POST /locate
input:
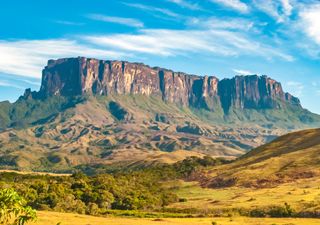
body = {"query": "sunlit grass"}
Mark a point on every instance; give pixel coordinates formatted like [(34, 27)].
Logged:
[(53, 218), (297, 194)]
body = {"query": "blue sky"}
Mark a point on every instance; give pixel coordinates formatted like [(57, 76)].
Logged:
[(280, 38)]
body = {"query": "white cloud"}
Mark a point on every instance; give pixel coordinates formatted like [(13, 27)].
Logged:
[(287, 7), (243, 72), (68, 23), (295, 88), (186, 4), (216, 23), (270, 8), (118, 20), (177, 42), (5, 83), (28, 57), (310, 22), (280, 10), (234, 4), (153, 10)]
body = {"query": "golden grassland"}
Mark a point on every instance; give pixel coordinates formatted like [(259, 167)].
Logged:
[(297, 194), (35, 173), (53, 218), (288, 158)]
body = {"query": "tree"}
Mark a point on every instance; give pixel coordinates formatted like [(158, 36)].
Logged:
[(13, 209)]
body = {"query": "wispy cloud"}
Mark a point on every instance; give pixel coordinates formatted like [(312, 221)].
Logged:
[(28, 57), (279, 10), (68, 23), (217, 23), (5, 83), (295, 88), (118, 20), (177, 42), (287, 7), (243, 72), (233, 4), (24, 81), (186, 4), (153, 9)]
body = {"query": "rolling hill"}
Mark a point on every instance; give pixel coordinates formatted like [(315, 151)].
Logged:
[(286, 159)]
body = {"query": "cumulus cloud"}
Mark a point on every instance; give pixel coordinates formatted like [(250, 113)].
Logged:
[(310, 21)]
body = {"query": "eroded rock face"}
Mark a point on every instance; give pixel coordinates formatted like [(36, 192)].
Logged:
[(257, 92), (77, 76)]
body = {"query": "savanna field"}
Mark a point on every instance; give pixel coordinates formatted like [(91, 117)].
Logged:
[(185, 192), (51, 218)]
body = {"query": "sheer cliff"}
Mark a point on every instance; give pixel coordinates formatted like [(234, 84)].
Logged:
[(77, 76)]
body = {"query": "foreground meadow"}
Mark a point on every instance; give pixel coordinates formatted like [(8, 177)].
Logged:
[(301, 195), (53, 218)]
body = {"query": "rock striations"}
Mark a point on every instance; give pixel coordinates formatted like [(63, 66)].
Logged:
[(77, 76)]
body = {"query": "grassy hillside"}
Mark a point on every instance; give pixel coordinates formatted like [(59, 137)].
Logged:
[(288, 158), (302, 196)]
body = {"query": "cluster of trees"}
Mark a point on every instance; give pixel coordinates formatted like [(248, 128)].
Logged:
[(91, 195), (140, 189)]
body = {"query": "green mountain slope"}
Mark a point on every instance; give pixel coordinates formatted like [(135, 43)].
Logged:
[(59, 133)]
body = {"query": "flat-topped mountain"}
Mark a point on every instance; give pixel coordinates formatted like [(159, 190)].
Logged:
[(91, 111), (77, 76)]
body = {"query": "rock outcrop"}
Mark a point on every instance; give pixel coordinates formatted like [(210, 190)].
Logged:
[(77, 76)]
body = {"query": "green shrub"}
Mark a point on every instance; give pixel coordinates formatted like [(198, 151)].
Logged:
[(13, 209)]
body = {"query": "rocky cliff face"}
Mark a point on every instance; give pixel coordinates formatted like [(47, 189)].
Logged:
[(77, 76)]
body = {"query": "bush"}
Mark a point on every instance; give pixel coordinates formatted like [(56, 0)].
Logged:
[(273, 211), (13, 209)]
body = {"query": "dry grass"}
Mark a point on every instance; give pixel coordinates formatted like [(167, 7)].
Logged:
[(299, 195), (289, 158), (35, 173), (52, 218)]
